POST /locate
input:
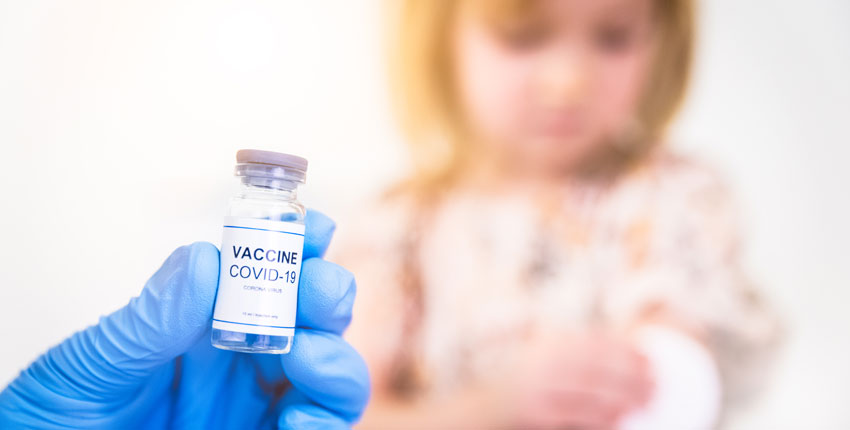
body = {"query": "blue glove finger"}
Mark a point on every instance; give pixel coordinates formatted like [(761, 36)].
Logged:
[(224, 389), (168, 317), (78, 382), (300, 413), (309, 416), (318, 232), (328, 371), (325, 296)]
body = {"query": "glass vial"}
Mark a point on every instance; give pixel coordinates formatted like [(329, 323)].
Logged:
[(261, 252)]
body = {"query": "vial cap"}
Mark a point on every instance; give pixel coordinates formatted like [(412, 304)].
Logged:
[(256, 156)]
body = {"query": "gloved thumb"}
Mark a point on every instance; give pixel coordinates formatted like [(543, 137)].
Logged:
[(170, 315)]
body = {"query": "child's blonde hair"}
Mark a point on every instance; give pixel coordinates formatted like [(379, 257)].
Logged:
[(426, 98)]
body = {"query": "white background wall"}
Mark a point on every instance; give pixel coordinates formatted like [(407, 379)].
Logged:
[(119, 121)]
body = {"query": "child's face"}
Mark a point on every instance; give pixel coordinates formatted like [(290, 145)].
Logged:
[(548, 89)]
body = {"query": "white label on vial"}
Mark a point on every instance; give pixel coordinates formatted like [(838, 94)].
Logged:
[(260, 270)]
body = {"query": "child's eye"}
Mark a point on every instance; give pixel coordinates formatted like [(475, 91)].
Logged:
[(614, 39)]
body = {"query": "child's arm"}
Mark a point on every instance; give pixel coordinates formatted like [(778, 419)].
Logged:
[(693, 277)]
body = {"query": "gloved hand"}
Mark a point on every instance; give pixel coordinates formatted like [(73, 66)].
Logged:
[(151, 365)]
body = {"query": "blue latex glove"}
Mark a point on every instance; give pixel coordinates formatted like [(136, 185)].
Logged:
[(151, 365)]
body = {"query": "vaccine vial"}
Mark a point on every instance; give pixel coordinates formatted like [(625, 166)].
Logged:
[(261, 251)]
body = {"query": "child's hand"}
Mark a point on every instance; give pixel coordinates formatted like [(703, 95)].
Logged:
[(585, 380)]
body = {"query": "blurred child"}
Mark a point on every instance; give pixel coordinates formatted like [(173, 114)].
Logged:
[(510, 281)]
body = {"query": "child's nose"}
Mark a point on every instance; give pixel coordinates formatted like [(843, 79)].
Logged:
[(562, 78)]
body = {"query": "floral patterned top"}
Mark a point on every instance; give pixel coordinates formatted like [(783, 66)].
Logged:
[(492, 268)]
